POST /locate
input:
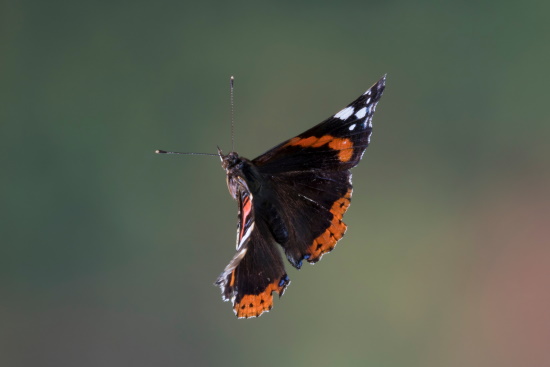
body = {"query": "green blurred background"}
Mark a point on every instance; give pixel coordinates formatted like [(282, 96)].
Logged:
[(109, 252)]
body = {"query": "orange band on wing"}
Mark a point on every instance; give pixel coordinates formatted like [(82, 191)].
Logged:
[(247, 207), (326, 241), (342, 145), (253, 305), (232, 280)]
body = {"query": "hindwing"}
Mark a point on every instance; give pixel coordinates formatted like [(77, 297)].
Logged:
[(257, 269)]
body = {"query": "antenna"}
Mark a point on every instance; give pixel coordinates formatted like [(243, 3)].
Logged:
[(220, 155), (231, 82), (158, 151)]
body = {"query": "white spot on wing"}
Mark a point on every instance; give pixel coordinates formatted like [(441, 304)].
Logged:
[(352, 127), (246, 235), (222, 279), (345, 113), (361, 113), (305, 197)]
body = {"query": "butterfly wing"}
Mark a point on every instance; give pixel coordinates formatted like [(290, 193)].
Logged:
[(257, 269), (338, 143), (311, 177), (299, 195)]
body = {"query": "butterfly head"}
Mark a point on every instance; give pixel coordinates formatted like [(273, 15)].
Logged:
[(230, 160)]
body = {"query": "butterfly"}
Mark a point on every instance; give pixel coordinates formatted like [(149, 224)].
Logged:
[(293, 195)]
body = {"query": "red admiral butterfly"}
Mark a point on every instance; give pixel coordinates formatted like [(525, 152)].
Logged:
[(295, 195)]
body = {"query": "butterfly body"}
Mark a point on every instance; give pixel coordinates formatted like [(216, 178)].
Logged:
[(294, 195)]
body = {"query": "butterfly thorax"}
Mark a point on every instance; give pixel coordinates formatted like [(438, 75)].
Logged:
[(241, 174)]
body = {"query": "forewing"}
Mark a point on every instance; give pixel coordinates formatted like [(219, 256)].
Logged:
[(338, 143)]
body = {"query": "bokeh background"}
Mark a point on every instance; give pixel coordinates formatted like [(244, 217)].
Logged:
[(109, 252)]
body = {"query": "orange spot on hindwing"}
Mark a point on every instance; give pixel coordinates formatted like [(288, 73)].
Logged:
[(253, 305), (232, 280), (342, 145), (327, 240)]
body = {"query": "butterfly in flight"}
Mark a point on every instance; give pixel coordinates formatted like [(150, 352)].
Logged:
[(294, 195)]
